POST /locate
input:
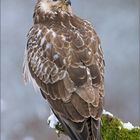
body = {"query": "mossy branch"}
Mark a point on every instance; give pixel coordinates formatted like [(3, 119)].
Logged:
[(112, 128)]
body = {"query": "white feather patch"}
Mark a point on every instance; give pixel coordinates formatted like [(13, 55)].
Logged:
[(39, 33), (56, 56), (44, 6), (48, 46), (27, 75), (43, 40)]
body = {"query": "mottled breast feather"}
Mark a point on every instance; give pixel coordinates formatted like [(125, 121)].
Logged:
[(65, 59)]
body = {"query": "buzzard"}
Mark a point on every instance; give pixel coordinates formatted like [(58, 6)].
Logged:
[(64, 59)]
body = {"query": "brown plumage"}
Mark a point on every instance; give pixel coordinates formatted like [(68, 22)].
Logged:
[(64, 58)]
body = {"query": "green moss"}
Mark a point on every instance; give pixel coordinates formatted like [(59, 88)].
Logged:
[(59, 129), (111, 129)]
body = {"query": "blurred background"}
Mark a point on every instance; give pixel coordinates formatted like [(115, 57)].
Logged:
[(24, 113)]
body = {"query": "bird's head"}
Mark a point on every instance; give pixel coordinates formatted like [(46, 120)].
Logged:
[(49, 6)]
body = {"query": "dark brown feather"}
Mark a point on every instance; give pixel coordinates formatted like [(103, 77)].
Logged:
[(65, 59)]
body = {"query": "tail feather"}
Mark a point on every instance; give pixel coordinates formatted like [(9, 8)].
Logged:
[(90, 130), (95, 124)]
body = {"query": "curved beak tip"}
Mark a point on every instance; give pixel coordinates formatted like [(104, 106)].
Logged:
[(68, 2)]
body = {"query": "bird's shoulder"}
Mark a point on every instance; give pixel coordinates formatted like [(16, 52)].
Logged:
[(63, 62)]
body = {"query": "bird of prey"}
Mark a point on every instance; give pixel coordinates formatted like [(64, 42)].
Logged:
[(64, 59)]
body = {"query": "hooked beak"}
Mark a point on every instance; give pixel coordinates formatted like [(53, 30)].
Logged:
[(67, 2)]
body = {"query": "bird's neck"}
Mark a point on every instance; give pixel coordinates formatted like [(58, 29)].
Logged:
[(41, 16)]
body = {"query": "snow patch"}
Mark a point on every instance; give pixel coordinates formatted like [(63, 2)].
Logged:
[(128, 126), (52, 121), (107, 113)]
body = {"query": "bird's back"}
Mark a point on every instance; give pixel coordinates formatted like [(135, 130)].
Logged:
[(64, 57)]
